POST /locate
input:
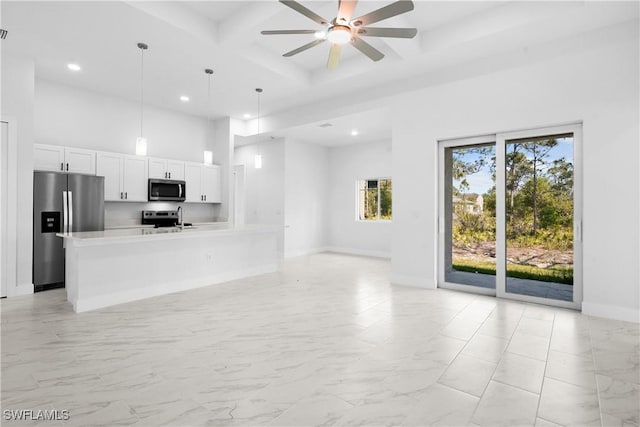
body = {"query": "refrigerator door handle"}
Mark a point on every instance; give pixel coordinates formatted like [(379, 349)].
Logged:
[(65, 215), (70, 211)]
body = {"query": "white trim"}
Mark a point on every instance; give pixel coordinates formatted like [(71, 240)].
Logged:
[(304, 252), (611, 312), (23, 289), (12, 287), (360, 252), (413, 281)]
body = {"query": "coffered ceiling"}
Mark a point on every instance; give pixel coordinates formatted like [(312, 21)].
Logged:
[(186, 37)]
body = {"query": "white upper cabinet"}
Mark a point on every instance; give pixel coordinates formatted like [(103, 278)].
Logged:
[(48, 158), (78, 160), (110, 166), (63, 159), (125, 177), (166, 169), (211, 186), (203, 183), (192, 178), (136, 179), (175, 169)]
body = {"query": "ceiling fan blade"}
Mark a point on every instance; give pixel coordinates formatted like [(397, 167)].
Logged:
[(401, 33), (364, 47), (306, 12), (383, 13), (275, 32), (334, 56), (303, 48), (345, 10)]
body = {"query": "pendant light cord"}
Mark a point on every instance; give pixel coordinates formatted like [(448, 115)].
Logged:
[(141, 91), (209, 105)]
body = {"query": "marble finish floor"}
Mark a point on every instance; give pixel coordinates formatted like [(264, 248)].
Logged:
[(325, 341)]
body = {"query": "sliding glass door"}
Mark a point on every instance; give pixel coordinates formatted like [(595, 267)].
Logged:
[(468, 220), (510, 215)]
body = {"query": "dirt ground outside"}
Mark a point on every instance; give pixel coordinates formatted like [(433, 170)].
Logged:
[(532, 256)]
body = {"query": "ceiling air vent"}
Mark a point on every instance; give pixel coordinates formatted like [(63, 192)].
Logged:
[(325, 125), (3, 34)]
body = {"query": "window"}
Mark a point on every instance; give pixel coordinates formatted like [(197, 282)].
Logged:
[(374, 199)]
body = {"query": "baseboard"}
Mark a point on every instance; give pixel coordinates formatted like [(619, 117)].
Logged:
[(291, 254), (611, 312), (24, 289), (101, 301), (361, 252), (413, 281)]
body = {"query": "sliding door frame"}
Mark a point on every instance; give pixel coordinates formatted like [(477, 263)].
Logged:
[(442, 214), (501, 243)]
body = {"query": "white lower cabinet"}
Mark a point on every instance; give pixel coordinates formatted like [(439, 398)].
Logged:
[(203, 183), (125, 177)]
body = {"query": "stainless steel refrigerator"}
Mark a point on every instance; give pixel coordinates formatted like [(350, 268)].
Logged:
[(61, 203)]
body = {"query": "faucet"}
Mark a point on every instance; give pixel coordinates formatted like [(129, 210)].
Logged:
[(180, 222)]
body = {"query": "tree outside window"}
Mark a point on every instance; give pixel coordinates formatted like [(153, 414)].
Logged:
[(374, 199)]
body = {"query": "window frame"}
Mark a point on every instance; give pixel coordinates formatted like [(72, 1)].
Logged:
[(378, 219)]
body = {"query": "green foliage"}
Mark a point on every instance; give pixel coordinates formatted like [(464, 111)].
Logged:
[(553, 275)]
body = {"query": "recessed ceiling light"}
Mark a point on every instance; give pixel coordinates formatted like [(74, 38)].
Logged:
[(184, 98), (354, 133), (74, 67), (246, 115)]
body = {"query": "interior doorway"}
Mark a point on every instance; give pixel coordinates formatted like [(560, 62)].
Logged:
[(239, 195), (510, 215)]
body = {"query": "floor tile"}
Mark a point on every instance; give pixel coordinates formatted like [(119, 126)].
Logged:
[(568, 404), (485, 347), (504, 405), (520, 371), (442, 406), (324, 341), (529, 345), (468, 374), (571, 369), (619, 399)]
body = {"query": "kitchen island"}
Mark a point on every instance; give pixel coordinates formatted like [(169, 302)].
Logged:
[(105, 268)]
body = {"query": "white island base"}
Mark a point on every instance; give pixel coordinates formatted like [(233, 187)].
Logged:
[(106, 268)]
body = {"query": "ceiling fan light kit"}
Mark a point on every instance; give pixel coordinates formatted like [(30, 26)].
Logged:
[(343, 29)]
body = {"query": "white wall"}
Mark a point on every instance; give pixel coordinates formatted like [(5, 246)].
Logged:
[(74, 117), (17, 101), (264, 198), (598, 86), (306, 196), (347, 165)]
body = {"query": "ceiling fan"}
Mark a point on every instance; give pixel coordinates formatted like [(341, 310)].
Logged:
[(343, 29)]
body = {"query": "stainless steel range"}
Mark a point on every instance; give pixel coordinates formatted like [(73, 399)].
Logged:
[(160, 218)]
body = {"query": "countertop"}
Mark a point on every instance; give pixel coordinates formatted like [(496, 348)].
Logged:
[(90, 238)]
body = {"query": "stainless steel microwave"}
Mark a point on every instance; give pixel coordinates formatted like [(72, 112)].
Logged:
[(167, 190)]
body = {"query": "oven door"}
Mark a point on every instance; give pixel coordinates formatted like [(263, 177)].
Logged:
[(166, 190)]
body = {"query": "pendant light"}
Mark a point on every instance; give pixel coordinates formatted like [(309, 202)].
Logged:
[(208, 155), (141, 141), (258, 157)]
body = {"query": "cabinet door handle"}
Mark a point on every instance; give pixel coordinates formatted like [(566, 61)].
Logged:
[(165, 175), (205, 197), (125, 195), (67, 166), (169, 175), (61, 166), (121, 195)]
